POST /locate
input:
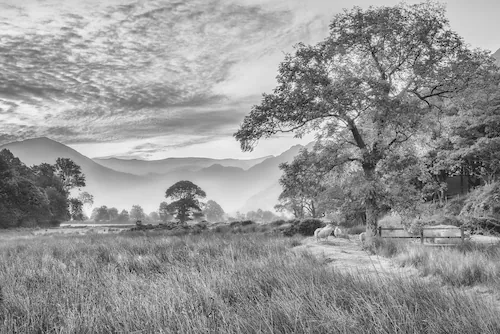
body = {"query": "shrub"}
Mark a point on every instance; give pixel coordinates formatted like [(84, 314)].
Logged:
[(277, 223), (308, 226), (454, 206), (241, 223), (290, 231)]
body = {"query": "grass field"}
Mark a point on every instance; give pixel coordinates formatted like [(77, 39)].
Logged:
[(212, 283), (464, 265)]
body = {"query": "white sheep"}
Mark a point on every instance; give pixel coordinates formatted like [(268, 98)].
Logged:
[(324, 232), (337, 232), (362, 237)]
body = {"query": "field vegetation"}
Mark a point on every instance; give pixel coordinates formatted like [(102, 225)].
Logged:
[(146, 282), (468, 264)]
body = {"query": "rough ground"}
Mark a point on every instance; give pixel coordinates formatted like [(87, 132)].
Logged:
[(347, 255)]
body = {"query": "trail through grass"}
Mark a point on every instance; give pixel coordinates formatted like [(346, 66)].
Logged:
[(217, 283)]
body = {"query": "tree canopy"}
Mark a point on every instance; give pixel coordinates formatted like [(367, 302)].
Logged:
[(31, 196), (371, 85), (213, 211), (137, 213), (185, 197)]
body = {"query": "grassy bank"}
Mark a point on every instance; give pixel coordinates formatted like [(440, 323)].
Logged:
[(464, 265), (220, 283)]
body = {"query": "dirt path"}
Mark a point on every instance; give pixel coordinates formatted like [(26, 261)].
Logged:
[(347, 255)]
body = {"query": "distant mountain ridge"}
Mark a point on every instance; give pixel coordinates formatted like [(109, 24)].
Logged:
[(144, 167), (496, 55), (241, 185)]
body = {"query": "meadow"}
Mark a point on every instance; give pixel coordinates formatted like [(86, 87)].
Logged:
[(464, 265), (139, 282)]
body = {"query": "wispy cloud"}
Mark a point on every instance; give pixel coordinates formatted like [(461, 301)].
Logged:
[(107, 71)]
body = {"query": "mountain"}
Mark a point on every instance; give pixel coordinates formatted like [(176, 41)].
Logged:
[(265, 199), (496, 55), (240, 185), (143, 167), (108, 186)]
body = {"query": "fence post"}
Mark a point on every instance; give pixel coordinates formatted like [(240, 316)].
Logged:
[(422, 236), (380, 231), (462, 234)]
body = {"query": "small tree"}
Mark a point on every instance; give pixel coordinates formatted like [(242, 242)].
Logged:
[(154, 216), (113, 213), (100, 214), (137, 213), (70, 174), (123, 216), (76, 209), (303, 184), (213, 211), (185, 197), (164, 213)]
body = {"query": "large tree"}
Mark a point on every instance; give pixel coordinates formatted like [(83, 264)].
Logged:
[(185, 197), (369, 86)]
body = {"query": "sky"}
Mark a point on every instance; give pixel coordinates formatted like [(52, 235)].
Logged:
[(151, 79)]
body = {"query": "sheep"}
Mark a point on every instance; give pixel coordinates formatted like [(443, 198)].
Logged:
[(337, 232), (362, 237), (324, 232)]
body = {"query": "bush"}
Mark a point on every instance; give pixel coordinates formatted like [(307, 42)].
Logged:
[(385, 247), (290, 231), (241, 223), (308, 226), (277, 223), (454, 206), (481, 208)]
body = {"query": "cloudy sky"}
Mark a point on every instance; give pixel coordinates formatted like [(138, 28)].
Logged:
[(157, 78)]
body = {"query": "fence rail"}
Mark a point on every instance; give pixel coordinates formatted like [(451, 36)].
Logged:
[(421, 236)]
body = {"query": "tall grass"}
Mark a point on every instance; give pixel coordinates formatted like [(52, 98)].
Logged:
[(466, 264), (216, 283)]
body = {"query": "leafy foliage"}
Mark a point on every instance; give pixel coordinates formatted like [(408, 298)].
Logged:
[(70, 174), (185, 196), (164, 212), (31, 196), (380, 77), (137, 213), (303, 184), (213, 211)]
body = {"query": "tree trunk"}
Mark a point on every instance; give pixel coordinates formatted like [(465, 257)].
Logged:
[(371, 205), (371, 218)]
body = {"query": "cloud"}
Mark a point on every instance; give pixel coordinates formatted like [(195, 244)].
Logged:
[(97, 71), (118, 70)]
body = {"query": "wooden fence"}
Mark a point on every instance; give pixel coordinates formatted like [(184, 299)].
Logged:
[(422, 234)]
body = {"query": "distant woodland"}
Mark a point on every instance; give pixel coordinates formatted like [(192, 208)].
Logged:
[(39, 195)]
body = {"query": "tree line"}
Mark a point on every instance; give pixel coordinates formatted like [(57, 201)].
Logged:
[(39, 195), (185, 204)]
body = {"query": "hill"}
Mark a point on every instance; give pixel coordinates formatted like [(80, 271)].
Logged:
[(496, 55), (231, 185), (144, 167), (109, 187)]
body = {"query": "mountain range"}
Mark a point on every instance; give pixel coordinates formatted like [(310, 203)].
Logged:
[(237, 185)]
